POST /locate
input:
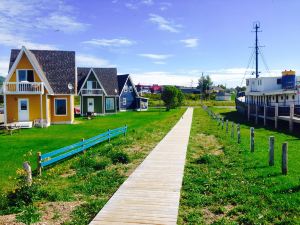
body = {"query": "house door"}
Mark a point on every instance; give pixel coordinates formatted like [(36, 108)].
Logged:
[(90, 104), (23, 109)]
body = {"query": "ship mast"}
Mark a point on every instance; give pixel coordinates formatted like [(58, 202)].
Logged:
[(256, 27)]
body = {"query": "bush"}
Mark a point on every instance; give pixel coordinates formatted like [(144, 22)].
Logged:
[(172, 97), (29, 215), (100, 163), (21, 196), (119, 157)]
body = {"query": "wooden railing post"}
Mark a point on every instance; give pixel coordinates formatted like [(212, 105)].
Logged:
[(265, 115), (232, 130), (256, 114), (252, 139), (284, 162), (226, 126), (276, 115), (291, 122), (39, 163), (238, 131), (271, 151)]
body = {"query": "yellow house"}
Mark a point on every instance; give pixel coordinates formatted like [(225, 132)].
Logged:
[(40, 87)]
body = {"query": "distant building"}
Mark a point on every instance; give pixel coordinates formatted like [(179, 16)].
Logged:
[(156, 89), (189, 90), (148, 89), (223, 96), (215, 89)]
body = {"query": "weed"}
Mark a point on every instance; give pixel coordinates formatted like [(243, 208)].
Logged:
[(119, 157), (29, 215)]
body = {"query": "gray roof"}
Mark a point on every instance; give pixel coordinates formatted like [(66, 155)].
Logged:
[(58, 67), (107, 77), (121, 81)]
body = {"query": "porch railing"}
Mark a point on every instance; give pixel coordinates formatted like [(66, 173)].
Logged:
[(23, 87), (92, 91)]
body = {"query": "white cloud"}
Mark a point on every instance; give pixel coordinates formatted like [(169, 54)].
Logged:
[(147, 2), (164, 24), (4, 66), (159, 62), (59, 22), (156, 56), (190, 43), (164, 6), (92, 61), (16, 41), (131, 6), (110, 42)]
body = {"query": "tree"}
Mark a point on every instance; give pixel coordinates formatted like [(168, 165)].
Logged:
[(172, 97), (204, 83)]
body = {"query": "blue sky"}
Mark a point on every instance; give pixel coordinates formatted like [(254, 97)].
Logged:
[(164, 42)]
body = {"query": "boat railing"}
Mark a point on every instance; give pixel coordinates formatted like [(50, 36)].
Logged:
[(283, 111)]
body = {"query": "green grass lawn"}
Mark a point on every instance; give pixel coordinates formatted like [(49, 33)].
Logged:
[(224, 183), (13, 148), (87, 180)]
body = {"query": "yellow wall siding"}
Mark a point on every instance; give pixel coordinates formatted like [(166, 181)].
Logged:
[(24, 64), (34, 107), (70, 114)]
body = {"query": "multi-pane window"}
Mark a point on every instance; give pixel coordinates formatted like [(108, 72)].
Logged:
[(60, 107), (109, 104), (124, 101), (25, 75)]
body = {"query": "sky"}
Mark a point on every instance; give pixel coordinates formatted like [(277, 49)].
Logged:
[(158, 41)]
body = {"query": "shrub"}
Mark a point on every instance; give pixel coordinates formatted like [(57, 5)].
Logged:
[(29, 215), (207, 159), (172, 97), (119, 157), (22, 196), (100, 163)]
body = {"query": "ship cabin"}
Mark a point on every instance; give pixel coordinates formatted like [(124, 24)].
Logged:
[(271, 91)]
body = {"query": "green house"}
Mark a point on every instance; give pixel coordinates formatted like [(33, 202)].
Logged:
[(98, 90)]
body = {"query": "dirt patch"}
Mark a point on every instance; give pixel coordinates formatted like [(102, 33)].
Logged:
[(214, 214), (53, 213), (209, 144), (69, 173)]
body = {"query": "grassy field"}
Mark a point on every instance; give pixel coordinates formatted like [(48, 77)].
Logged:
[(73, 191), (13, 148), (157, 103), (224, 183)]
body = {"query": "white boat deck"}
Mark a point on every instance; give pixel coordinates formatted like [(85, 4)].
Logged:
[(151, 193)]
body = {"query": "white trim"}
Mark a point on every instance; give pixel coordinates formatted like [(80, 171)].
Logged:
[(66, 106), (35, 67), (47, 113), (41, 109), (5, 111), (72, 108), (91, 70), (28, 108)]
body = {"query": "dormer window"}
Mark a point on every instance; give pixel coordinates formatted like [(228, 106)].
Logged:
[(25, 76), (130, 88)]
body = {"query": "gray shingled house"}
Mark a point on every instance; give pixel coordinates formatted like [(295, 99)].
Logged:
[(98, 90)]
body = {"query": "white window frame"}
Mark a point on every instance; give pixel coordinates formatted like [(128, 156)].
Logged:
[(125, 88), (130, 89), (17, 74), (114, 107), (66, 106), (124, 101)]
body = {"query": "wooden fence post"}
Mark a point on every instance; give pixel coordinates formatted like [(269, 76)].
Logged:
[(82, 140), (222, 123), (284, 164), (249, 111), (256, 114), (271, 151), (27, 168), (108, 135), (125, 130), (252, 139), (238, 133), (39, 163), (232, 129), (226, 126)]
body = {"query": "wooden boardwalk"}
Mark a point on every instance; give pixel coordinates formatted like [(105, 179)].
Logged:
[(151, 193)]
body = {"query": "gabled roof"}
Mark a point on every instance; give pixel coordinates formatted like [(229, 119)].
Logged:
[(58, 67), (121, 81), (106, 76)]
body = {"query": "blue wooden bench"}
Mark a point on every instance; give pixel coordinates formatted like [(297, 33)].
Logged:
[(65, 152)]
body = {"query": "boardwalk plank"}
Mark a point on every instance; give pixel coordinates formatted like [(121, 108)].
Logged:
[(151, 193)]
